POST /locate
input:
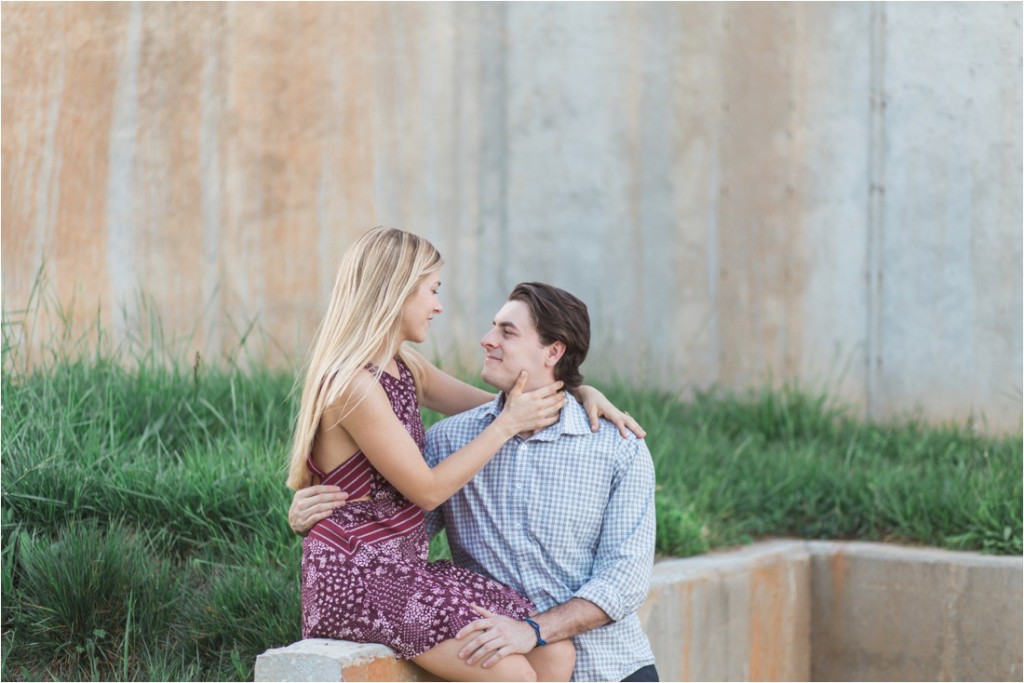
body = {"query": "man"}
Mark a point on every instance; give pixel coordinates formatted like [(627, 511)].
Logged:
[(565, 516)]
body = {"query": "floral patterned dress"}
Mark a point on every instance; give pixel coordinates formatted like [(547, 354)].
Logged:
[(365, 575)]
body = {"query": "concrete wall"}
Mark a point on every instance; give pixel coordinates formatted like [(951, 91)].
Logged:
[(786, 611), (888, 613), (826, 192)]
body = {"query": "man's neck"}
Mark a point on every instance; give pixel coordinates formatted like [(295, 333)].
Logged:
[(503, 396)]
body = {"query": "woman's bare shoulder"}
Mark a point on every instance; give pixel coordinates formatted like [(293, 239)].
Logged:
[(363, 388)]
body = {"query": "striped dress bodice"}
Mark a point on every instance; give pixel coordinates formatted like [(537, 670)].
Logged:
[(388, 514)]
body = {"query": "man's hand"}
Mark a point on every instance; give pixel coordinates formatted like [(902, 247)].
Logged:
[(311, 504), (498, 636)]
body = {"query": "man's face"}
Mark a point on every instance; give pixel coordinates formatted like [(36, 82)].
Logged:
[(513, 345)]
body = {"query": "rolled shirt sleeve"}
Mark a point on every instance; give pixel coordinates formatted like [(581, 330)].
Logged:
[(625, 553)]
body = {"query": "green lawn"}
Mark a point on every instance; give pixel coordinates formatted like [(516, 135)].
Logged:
[(143, 510)]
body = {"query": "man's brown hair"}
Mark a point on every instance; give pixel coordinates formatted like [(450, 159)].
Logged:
[(558, 316)]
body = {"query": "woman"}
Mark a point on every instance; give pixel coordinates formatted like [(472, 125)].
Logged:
[(365, 571)]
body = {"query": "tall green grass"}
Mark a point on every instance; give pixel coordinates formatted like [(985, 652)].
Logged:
[(144, 531)]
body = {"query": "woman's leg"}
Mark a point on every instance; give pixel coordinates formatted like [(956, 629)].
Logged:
[(443, 661), (553, 662)]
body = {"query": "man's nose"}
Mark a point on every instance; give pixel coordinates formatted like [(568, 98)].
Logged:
[(486, 341)]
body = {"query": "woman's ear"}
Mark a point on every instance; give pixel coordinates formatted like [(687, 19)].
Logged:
[(555, 353)]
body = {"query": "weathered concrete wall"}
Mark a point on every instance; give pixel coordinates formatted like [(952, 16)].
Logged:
[(818, 191), (888, 613), (738, 616), (786, 611)]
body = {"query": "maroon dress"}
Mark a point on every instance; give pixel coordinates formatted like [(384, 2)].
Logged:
[(365, 575)]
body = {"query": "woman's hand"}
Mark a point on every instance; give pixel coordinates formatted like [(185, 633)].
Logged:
[(533, 410), (596, 405), (311, 504)]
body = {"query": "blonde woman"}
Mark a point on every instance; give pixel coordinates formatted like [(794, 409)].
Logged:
[(365, 575)]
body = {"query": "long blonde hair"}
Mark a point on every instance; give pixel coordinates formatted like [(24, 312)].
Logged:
[(376, 276)]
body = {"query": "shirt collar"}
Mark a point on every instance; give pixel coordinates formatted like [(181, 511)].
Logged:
[(572, 421)]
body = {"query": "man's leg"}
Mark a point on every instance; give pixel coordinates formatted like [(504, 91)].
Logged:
[(648, 673)]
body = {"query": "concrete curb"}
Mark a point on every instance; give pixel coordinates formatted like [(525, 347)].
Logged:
[(785, 610)]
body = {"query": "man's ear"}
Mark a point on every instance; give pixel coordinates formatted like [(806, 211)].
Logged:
[(555, 353)]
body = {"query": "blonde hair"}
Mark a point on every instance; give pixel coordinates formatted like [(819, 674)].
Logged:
[(376, 276)]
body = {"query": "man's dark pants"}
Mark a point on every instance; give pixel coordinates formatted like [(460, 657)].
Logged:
[(648, 673)]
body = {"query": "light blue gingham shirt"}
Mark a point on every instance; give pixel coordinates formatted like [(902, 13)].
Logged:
[(566, 513)]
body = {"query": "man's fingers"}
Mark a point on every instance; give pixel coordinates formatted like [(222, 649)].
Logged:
[(472, 650), (320, 515), (480, 610), (317, 512), (488, 644), (320, 489), (327, 507), (476, 625)]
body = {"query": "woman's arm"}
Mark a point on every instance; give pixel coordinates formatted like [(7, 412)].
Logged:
[(597, 405), (444, 393), (384, 441)]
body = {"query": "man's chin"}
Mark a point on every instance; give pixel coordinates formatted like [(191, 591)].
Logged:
[(495, 382)]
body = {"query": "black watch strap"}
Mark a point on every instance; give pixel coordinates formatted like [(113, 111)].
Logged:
[(536, 629)]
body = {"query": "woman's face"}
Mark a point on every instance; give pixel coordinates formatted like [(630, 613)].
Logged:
[(420, 308)]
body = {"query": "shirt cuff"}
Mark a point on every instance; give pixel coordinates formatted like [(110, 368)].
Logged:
[(604, 596)]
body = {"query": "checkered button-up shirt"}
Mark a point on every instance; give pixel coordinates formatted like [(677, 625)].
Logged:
[(566, 513)]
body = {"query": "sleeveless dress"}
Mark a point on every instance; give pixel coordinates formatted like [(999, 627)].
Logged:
[(365, 575)]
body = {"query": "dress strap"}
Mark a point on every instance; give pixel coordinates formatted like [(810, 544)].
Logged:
[(311, 466)]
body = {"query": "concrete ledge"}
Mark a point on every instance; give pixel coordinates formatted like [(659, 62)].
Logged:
[(785, 610), (914, 614), (320, 659), (736, 616)]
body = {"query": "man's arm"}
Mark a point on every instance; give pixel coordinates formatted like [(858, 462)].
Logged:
[(618, 587), (501, 636)]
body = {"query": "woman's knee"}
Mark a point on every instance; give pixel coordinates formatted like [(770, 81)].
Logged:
[(520, 668), (443, 661), (509, 668), (554, 662)]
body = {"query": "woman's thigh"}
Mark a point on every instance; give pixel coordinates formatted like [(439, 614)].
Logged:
[(443, 661), (553, 662)]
